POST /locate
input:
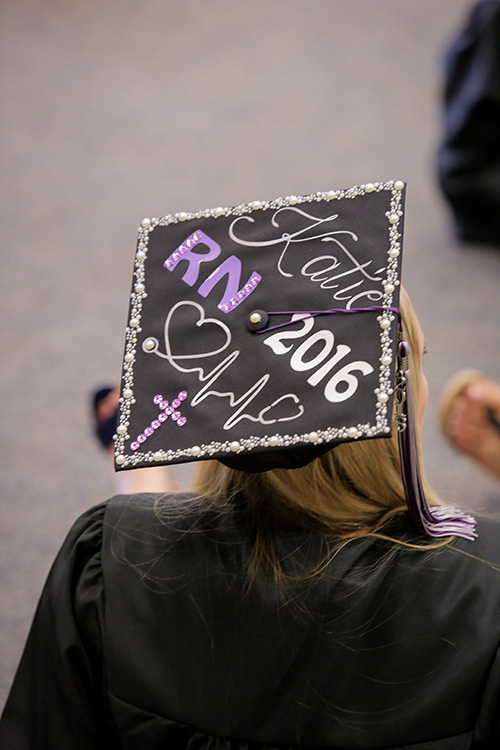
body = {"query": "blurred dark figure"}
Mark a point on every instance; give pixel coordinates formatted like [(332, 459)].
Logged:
[(469, 155)]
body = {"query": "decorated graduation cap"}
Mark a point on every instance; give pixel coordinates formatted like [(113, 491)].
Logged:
[(265, 334)]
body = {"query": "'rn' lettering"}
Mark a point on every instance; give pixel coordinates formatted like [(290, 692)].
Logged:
[(230, 268)]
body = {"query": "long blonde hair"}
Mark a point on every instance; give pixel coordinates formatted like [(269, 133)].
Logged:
[(353, 490)]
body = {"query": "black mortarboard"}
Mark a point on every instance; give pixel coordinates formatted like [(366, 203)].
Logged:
[(223, 358), (262, 335)]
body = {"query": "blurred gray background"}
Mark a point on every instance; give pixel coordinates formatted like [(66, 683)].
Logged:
[(116, 110)]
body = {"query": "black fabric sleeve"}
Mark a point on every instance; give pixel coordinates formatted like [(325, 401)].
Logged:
[(487, 729), (58, 698)]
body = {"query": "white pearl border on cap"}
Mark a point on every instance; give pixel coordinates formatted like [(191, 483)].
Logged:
[(386, 319)]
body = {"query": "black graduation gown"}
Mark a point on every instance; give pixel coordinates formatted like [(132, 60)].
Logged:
[(147, 636)]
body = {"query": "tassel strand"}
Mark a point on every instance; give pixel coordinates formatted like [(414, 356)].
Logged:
[(435, 520)]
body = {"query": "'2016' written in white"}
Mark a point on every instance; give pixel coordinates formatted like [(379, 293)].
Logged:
[(299, 364)]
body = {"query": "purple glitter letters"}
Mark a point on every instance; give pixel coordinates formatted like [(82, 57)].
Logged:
[(231, 267)]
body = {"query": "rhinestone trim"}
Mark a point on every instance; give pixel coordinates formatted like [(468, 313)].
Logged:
[(350, 432)]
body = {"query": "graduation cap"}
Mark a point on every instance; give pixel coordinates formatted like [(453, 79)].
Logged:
[(264, 334)]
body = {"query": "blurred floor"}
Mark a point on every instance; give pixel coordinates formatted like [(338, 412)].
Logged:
[(112, 111)]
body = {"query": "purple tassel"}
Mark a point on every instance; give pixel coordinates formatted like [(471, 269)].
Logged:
[(435, 520)]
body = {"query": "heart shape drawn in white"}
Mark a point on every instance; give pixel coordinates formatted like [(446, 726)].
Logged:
[(202, 320)]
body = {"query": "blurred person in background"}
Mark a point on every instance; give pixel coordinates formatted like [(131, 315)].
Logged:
[(470, 417), (468, 161)]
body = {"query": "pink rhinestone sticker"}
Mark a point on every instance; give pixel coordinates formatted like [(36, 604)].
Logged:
[(167, 410), (229, 305)]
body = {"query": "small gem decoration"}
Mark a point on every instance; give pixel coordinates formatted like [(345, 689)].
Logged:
[(167, 410)]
